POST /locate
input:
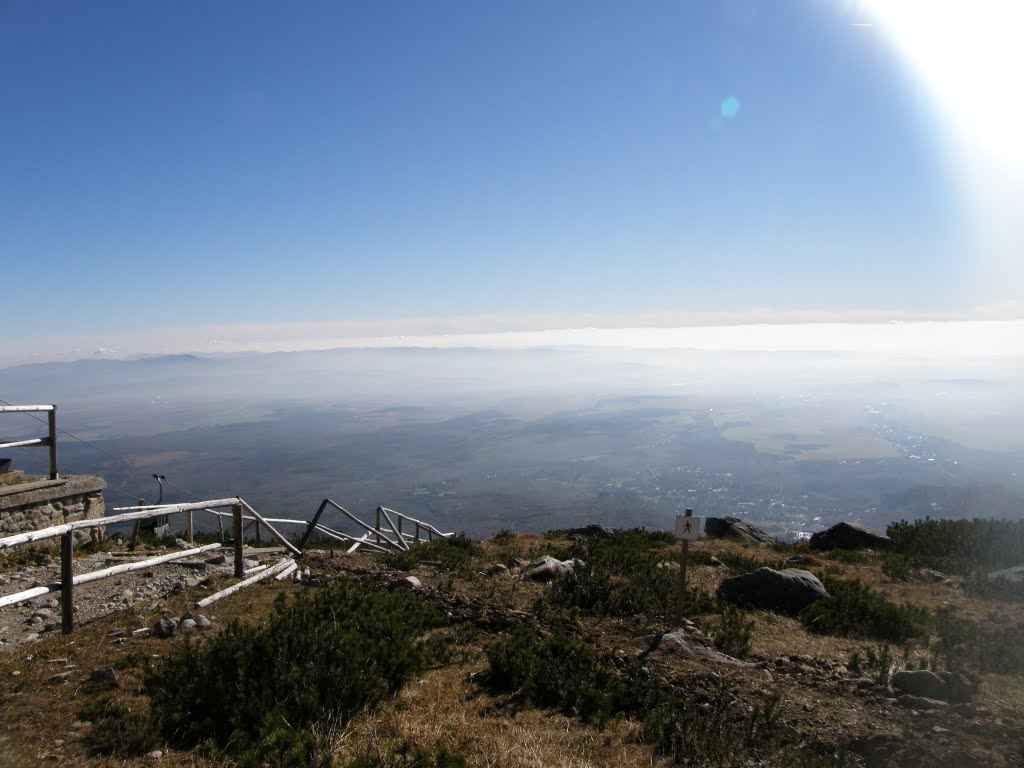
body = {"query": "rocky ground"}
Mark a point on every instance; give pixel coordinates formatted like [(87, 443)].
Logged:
[(47, 679), (135, 594)]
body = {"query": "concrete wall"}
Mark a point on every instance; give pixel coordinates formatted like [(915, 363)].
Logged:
[(31, 506)]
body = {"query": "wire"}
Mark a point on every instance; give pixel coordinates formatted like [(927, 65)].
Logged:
[(128, 464)]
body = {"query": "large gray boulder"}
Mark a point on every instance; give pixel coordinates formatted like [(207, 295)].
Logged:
[(787, 591), (944, 686), (547, 568), (735, 529), (687, 643), (849, 536)]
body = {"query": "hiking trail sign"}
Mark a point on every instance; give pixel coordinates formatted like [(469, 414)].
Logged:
[(688, 527)]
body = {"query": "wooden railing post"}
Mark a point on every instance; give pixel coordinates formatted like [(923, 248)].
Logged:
[(236, 516), (377, 526), (52, 422), (188, 527), (67, 583), (137, 525), (417, 539)]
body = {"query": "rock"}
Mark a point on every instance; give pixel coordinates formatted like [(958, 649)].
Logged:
[(717, 563), (104, 675), (787, 591), (849, 536), (547, 568), (687, 643), (165, 627), (735, 529), (60, 678), (156, 754), (407, 582), (498, 569), (944, 686), (1014, 574), (43, 559), (182, 544), (202, 622), (591, 532), (187, 624), (958, 688), (920, 702), (248, 563), (217, 560)]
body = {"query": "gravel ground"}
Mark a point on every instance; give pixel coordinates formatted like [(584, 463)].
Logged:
[(142, 589)]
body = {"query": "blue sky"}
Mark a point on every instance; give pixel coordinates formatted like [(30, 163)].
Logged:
[(170, 164)]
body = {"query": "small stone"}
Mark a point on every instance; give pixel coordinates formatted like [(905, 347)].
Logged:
[(43, 559), (141, 632), (188, 624), (408, 582), (31, 636), (104, 675), (42, 613), (35, 621), (60, 678), (187, 615), (248, 563), (217, 560), (156, 754), (165, 627), (202, 622), (498, 569), (58, 742)]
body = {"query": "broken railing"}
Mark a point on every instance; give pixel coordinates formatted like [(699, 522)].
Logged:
[(243, 516)]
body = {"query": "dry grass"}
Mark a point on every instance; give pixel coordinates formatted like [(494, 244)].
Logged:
[(446, 708)]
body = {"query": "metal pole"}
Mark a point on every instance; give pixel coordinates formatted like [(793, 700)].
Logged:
[(51, 419), (67, 583), (236, 514), (683, 555)]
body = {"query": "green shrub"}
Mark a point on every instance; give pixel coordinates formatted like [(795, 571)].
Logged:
[(964, 645), (453, 554), (855, 610), (978, 584), (558, 671), (734, 631), (693, 728), (959, 546), (624, 575), (503, 537), (324, 657)]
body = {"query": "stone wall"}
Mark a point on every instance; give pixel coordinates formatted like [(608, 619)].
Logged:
[(30, 506)]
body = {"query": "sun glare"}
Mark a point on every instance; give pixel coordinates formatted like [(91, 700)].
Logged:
[(970, 56)]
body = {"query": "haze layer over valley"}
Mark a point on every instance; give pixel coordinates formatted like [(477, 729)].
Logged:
[(792, 430)]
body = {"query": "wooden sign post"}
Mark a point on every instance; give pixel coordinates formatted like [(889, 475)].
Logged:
[(687, 530)]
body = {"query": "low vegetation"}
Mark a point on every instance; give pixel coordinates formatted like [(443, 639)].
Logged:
[(855, 610), (270, 690)]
